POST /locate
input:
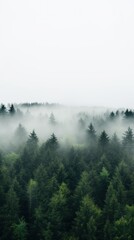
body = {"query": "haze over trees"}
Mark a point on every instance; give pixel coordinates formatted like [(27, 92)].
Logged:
[(66, 173)]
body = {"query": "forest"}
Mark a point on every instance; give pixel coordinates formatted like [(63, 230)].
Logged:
[(66, 173)]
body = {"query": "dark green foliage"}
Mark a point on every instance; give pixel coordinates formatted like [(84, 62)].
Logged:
[(128, 141), (129, 114), (124, 226), (33, 139), (52, 142), (58, 214), (87, 219), (54, 191), (104, 139), (20, 230)]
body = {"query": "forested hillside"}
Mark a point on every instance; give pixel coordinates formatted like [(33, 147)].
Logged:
[(66, 174)]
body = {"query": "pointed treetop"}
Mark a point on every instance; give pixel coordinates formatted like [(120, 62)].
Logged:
[(91, 129), (128, 137), (12, 109), (3, 109), (104, 139), (52, 119), (129, 113), (112, 115), (20, 134), (33, 137), (52, 141), (91, 132)]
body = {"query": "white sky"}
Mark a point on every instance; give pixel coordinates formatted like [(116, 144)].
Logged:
[(78, 52)]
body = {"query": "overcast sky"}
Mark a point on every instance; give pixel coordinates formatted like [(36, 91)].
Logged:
[(78, 52)]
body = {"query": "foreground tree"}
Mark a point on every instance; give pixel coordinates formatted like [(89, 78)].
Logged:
[(87, 219), (58, 217), (20, 230), (124, 226)]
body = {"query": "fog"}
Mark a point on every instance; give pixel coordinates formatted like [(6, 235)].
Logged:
[(69, 124), (72, 52)]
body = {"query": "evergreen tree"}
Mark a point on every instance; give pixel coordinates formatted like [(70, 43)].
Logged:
[(128, 139), (125, 225), (12, 110), (29, 156), (103, 186), (32, 140), (83, 187), (91, 134), (11, 213), (20, 135), (104, 139), (129, 114), (87, 219), (81, 124), (58, 217), (110, 212), (52, 120), (52, 142), (3, 110), (32, 193), (114, 153), (112, 115), (20, 231)]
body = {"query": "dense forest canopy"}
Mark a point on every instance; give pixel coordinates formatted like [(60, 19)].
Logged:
[(66, 173)]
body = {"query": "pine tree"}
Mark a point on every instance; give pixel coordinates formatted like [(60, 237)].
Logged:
[(81, 124), (58, 216), (52, 142), (33, 139), (20, 135), (104, 139), (91, 134), (124, 227), (128, 140), (87, 218), (52, 119), (3, 110), (20, 231), (12, 109), (110, 212), (112, 115)]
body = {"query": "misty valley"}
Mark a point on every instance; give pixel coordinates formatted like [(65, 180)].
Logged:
[(66, 172)]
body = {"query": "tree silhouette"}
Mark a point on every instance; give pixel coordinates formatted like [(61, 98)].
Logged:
[(12, 109), (104, 139), (52, 119), (91, 133), (3, 110), (33, 139), (20, 136), (128, 139), (52, 142)]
